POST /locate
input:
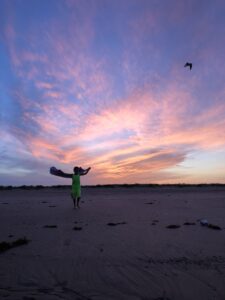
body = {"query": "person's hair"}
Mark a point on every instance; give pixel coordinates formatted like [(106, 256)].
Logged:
[(75, 170)]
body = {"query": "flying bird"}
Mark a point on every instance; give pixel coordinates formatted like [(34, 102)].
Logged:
[(188, 65)]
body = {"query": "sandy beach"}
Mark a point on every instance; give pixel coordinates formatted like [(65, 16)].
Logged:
[(116, 246)]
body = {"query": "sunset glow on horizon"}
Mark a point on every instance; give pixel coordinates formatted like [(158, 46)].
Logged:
[(102, 84)]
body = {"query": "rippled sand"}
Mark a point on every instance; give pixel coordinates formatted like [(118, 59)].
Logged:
[(117, 246)]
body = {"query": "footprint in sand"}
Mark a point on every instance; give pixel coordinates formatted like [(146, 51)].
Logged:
[(67, 242), (162, 298), (45, 290), (154, 222)]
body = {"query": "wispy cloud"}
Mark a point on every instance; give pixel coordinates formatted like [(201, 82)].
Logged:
[(88, 90)]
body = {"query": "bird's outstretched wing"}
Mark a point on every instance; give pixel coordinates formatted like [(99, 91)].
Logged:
[(188, 65)]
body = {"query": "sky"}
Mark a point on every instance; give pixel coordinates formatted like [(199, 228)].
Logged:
[(102, 84)]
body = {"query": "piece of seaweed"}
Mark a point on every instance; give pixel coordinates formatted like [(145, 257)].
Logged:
[(4, 246)]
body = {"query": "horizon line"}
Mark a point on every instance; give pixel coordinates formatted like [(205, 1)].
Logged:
[(9, 187)]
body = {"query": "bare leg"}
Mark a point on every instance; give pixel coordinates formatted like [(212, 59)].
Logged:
[(75, 205), (78, 201), (73, 201)]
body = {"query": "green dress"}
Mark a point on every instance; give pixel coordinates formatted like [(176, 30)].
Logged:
[(76, 189)]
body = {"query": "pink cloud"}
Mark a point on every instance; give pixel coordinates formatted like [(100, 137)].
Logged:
[(52, 119), (162, 122), (142, 133), (10, 36), (28, 56), (64, 61), (154, 125), (44, 85), (50, 151), (52, 94)]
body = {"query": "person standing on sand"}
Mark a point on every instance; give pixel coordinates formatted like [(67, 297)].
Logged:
[(76, 187)]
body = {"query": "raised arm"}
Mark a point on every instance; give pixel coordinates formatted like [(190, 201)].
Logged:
[(60, 173), (65, 175), (84, 172)]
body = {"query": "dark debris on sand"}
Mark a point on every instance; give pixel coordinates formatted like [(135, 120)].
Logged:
[(173, 226), (214, 227), (77, 228), (115, 224), (4, 246)]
